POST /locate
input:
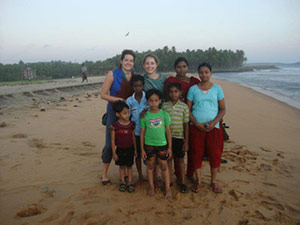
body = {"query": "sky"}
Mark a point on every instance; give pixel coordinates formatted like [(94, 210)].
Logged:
[(45, 30)]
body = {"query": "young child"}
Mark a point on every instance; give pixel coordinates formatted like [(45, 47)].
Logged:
[(123, 144), (179, 113), (137, 103), (207, 106), (156, 139)]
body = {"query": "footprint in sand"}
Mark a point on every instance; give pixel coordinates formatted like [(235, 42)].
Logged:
[(31, 210), (272, 205), (241, 181), (17, 165), (85, 153), (67, 219), (50, 218), (20, 136), (87, 144), (37, 143), (280, 155), (55, 144), (265, 167), (270, 184), (265, 150)]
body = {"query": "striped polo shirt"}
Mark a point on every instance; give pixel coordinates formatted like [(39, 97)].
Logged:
[(179, 114)]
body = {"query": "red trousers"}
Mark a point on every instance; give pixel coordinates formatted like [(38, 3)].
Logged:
[(205, 142)]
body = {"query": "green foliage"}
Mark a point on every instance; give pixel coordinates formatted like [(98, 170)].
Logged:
[(219, 59)]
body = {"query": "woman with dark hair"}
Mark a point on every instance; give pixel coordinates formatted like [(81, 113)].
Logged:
[(116, 87), (181, 66)]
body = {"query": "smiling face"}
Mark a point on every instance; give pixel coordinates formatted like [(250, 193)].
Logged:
[(204, 73), (124, 114), (154, 102), (127, 63), (181, 69), (150, 65)]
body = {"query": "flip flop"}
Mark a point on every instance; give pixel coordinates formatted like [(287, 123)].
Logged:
[(183, 189), (224, 161), (106, 182), (216, 188), (196, 188)]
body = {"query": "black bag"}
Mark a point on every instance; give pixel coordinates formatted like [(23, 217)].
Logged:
[(225, 134), (104, 119)]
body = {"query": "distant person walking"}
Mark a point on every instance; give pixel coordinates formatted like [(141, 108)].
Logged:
[(83, 73)]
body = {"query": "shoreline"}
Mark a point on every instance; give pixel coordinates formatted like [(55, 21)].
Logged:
[(282, 99)]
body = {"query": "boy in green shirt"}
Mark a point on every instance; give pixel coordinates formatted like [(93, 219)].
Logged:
[(156, 139)]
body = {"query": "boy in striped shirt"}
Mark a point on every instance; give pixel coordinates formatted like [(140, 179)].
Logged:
[(179, 113)]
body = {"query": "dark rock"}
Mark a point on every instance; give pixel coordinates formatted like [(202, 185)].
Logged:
[(3, 124)]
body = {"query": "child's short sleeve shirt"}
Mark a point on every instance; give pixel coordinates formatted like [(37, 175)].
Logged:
[(179, 114), (155, 127), (123, 134), (205, 103), (135, 110)]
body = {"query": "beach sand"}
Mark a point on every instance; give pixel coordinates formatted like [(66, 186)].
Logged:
[(50, 168)]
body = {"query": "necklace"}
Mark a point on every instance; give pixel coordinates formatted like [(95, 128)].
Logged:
[(186, 79), (206, 89)]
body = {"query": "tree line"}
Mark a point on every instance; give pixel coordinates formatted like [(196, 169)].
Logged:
[(219, 59)]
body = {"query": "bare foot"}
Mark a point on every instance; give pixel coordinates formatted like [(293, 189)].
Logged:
[(169, 194), (216, 188), (151, 192)]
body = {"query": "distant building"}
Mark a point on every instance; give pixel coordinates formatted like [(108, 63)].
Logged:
[(29, 74)]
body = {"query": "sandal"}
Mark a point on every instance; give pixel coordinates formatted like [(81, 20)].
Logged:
[(106, 182), (192, 179), (224, 161), (163, 186), (123, 187), (216, 188), (196, 188), (183, 189), (131, 188)]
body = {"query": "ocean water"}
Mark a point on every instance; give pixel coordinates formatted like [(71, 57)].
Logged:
[(282, 84)]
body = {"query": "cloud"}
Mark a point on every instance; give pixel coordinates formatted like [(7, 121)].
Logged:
[(47, 46), (92, 49)]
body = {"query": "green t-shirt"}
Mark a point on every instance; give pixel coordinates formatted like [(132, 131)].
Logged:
[(155, 127)]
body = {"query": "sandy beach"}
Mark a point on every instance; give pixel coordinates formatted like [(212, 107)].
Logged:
[(50, 166)]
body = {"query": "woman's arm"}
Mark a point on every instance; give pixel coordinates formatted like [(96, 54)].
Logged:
[(106, 87), (221, 113), (200, 126)]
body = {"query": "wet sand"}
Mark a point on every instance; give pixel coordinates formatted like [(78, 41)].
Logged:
[(50, 167)]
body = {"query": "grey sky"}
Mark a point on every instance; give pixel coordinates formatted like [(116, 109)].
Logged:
[(32, 30)]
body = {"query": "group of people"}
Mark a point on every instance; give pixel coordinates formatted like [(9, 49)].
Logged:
[(158, 119)]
